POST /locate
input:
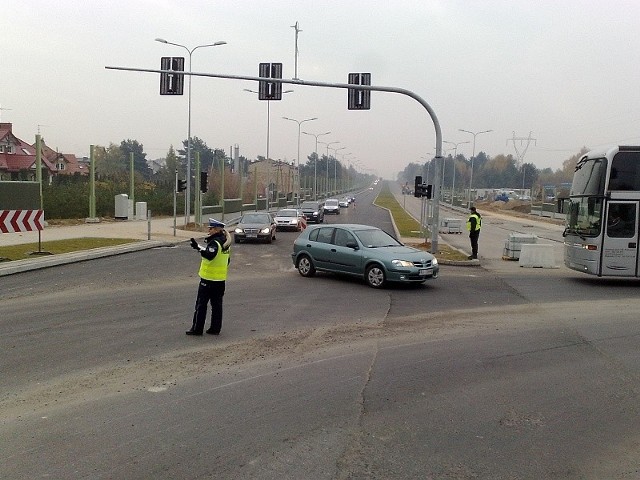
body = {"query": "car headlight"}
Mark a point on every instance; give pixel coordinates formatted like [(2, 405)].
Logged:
[(238, 230), (401, 263), (434, 261), (265, 230)]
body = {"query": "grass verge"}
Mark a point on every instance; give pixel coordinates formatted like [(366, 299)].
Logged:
[(26, 250), (409, 227)]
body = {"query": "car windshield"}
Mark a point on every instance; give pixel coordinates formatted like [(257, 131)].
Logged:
[(256, 218), (309, 205), (287, 213), (332, 202), (375, 238)]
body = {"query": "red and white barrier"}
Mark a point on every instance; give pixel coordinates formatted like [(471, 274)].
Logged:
[(12, 221)]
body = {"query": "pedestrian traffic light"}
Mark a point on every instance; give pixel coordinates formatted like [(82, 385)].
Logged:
[(203, 182), (417, 187), (427, 191), (182, 186)]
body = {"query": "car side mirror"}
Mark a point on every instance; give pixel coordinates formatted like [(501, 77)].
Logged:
[(353, 245)]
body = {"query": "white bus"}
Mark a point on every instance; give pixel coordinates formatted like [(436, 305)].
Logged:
[(601, 233)]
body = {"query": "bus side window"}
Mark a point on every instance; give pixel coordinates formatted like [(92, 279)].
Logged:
[(621, 220)]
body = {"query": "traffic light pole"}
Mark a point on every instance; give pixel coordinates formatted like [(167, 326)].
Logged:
[(175, 199), (439, 158)]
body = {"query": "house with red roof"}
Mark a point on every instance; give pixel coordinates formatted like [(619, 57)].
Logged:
[(65, 163), (18, 158)]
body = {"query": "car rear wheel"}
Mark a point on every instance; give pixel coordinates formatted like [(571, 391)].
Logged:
[(305, 266), (375, 276)]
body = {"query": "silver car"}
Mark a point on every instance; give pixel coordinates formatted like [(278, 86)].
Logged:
[(290, 219)]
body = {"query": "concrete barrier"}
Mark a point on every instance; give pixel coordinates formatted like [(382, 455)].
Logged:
[(538, 255)]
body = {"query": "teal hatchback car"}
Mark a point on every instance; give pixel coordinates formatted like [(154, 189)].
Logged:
[(361, 251)]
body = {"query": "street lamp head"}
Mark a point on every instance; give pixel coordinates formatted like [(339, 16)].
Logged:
[(161, 40), (314, 135), (221, 42)]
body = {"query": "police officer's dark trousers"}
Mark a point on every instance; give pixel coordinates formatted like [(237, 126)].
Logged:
[(473, 236), (209, 291)]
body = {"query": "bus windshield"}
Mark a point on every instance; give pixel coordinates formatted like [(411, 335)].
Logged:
[(590, 177), (584, 216)]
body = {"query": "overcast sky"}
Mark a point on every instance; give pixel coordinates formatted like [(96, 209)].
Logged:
[(566, 71)]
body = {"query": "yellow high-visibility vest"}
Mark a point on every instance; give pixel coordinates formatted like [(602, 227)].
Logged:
[(215, 269), (478, 222)]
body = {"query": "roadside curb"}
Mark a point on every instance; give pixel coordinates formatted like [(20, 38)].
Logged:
[(18, 266)]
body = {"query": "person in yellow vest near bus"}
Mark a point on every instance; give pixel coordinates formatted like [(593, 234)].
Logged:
[(474, 223), (213, 275)]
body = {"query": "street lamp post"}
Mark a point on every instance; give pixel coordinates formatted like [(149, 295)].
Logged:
[(429, 160), (472, 158), (455, 154), (268, 135), (315, 163), (345, 184), (328, 144), (299, 122), (190, 51), (335, 167)]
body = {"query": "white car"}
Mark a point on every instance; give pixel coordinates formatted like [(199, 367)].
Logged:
[(344, 202), (290, 219), (332, 206)]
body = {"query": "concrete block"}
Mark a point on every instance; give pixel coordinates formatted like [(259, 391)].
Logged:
[(537, 256)]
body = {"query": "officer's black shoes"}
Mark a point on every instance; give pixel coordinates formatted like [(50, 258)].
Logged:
[(212, 332), (193, 332)]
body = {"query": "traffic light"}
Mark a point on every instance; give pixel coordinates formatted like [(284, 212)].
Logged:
[(270, 90), (182, 186), (427, 191), (203, 182), (359, 99), (172, 83), (417, 187)]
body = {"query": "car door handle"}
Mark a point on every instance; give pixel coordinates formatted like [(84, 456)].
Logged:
[(632, 245), (333, 250)]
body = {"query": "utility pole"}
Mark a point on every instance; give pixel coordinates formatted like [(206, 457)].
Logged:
[(295, 75), (520, 155)]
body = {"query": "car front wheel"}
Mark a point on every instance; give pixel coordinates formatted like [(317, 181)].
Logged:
[(305, 266), (375, 276)]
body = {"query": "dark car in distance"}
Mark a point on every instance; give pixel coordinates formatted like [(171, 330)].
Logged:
[(313, 211), (255, 226)]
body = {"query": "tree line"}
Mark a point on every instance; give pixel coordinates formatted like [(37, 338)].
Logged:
[(501, 171), (67, 196)]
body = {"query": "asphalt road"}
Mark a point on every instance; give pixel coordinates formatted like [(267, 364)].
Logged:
[(487, 372)]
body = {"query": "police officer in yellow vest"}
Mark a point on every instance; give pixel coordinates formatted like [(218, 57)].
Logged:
[(474, 223), (213, 275)]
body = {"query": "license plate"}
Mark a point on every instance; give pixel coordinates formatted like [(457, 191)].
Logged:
[(252, 235), (423, 271)]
